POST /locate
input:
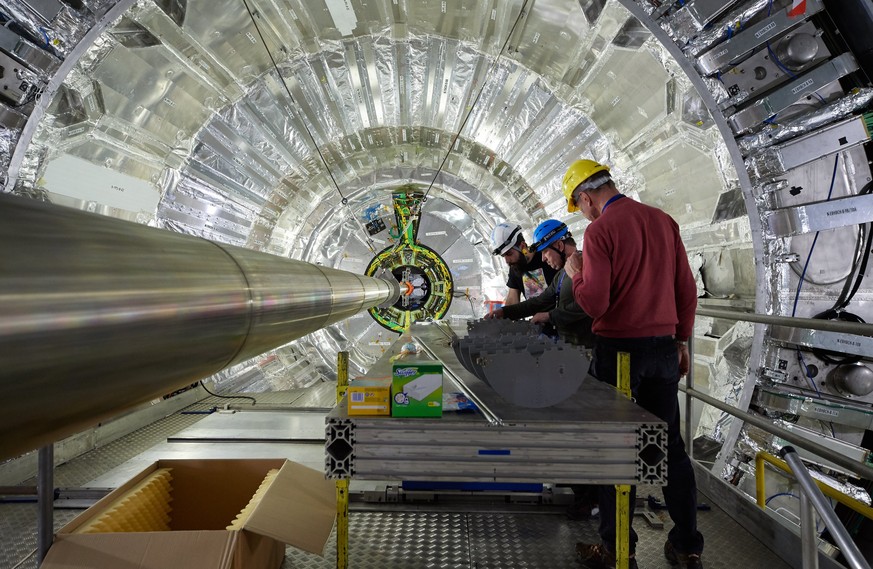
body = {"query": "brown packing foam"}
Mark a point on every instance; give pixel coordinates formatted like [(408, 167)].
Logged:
[(144, 508), (240, 519)]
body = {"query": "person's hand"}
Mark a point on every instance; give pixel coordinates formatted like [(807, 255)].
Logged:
[(573, 264), (684, 359), (540, 318), (495, 314)]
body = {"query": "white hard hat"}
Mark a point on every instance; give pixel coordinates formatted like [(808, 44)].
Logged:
[(504, 237)]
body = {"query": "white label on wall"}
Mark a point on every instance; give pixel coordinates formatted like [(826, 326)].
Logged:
[(343, 15), (80, 179)]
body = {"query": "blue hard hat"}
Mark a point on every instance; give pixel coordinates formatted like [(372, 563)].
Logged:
[(548, 232)]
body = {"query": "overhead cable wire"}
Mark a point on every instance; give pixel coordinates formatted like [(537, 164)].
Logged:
[(478, 96), (344, 200), (472, 106)]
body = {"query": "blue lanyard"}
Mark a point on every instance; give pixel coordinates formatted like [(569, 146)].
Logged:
[(558, 288), (612, 199)]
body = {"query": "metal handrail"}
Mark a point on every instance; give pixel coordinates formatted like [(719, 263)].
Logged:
[(861, 329), (829, 491), (840, 326), (860, 469), (808, 539), (812, 494)]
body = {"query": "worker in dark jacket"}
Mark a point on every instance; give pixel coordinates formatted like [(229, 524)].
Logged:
[(556, 305)]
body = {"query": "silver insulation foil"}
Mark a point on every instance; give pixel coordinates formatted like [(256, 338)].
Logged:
[(833, 111), (754, 440), (765, 165), (727, 361), (727, 26), (59, 29), (238, 160), (717, 88), (10, 130)]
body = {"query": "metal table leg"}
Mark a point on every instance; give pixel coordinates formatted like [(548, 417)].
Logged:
[(622, 491), (342, 486)]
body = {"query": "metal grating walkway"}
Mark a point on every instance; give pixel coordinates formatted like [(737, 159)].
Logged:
[(403, 539)]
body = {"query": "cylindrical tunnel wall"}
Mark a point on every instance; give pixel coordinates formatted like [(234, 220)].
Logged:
[(98, 314)]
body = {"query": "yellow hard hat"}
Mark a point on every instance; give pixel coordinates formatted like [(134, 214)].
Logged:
[(578, 172)]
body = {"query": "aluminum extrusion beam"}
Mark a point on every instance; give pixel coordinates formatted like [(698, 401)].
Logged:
[(595, 436), (820, 216), (100, 314)]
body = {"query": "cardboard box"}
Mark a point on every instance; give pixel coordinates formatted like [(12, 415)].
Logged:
[(297, 507), (369, 396), (417, 389)]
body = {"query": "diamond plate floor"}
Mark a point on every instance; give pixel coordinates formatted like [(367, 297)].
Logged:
[(516, 541), (404, 540)]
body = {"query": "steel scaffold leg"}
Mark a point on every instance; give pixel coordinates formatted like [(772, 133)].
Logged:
[(342, 486), (622, 491)]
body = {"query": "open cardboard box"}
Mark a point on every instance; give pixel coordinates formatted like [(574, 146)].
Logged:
[(298, 508)]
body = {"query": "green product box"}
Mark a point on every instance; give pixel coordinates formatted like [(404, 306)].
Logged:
[(417, 389)]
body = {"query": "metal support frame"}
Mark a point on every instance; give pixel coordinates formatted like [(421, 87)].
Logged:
[(342, 486), (45, 489), (622, 491), (761, 489), (847, 547), (861, 470)]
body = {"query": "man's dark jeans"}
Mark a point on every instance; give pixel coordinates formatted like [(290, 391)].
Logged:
[(654, 375)]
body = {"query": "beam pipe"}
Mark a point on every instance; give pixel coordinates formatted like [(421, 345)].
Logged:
[(45, 491), (100, 314)]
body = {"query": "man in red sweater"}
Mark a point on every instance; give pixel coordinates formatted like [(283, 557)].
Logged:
[(634, 280)]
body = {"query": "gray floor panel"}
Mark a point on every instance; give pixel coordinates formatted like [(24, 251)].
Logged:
[(404, 540), (512, 541), (283, 426)]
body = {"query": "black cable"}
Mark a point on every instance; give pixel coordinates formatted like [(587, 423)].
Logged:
[(203, 385), (867, 228), (344, 199), (476, 100), (467, 117), (829, 356), (290, 96)]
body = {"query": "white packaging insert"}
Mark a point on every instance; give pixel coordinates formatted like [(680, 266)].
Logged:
[(424, 385)]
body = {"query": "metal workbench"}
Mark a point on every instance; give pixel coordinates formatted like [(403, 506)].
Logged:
[(595, 436)]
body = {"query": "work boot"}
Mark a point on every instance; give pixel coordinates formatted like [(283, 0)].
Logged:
[(596, 556), (684, 560)]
